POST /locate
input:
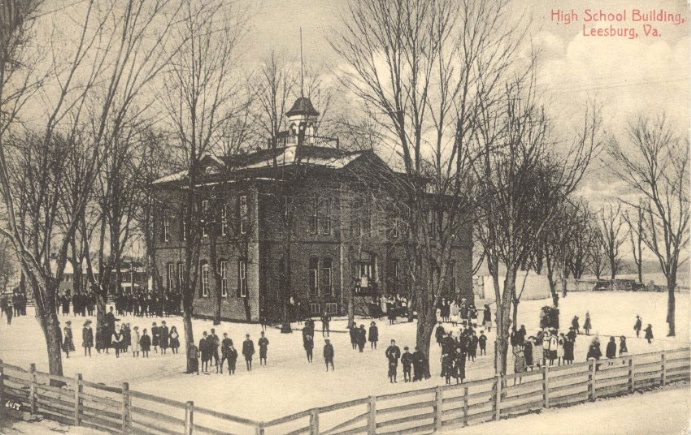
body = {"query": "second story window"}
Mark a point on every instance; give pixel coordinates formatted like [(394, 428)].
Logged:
[(314, 208), (205, 217), (165, 235), (314, 276), (205, 280), (243, 214), (242, 278), (223, 266), (224, 221), (325, 216)]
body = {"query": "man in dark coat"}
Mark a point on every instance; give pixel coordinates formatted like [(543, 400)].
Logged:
[(110, 323), (328, 354), (204, 350), (439, 333), (353, 335), (225, 347), (214, 344), (611, 350), (418, 364), (308, 344), (373, 335), (326, 319), (361, 338), (156, 337), (638, 326), (263, 348), (393, 353), (407, 361), (232, 358), (248, 351)]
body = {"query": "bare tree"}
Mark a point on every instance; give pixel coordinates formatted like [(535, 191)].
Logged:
[(636, 237), (597, 253), (201, 98), (654, 163), (613, 236)]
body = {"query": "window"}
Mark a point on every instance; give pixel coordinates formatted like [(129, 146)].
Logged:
[(224, 220), (355, 218), (242, 278), (313, 271), (331, 308), (170, 275), (243, 214), (315, 309), (325, 216), (314, 202), (432, 224), (205, 280), (181, 275), (183, 224), (326, 276), (223, 266), (166, 226), (205, 217)]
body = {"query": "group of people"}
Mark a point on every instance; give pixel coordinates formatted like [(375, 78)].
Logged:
[(13, 306), (209, 346), (122, 338), (148, 304), (308, 342), (415, 361), (458, 312), (83, 303), (456, 350)]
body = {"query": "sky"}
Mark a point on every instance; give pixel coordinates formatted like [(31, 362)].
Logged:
[(625, 77)]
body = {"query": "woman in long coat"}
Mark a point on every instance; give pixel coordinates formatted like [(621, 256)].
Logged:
[(568, 351), (373, 336), (136, 346), (145, 343), (487, 318), (174, 339), (649, 333), (68, 342), (587, 326)]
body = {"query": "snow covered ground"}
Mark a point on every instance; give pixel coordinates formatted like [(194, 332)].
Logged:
[(290, 384), (663, 412)]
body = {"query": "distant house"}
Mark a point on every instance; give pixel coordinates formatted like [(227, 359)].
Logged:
[(278, 241)]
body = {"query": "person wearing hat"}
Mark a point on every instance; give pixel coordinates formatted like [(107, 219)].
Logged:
[(407, 361), (248, 351), (263, 343), (393, 353), (87, 337), (623, 350), (68, 343), (117, 340), (487, 318), (135, 338), (328, 354), (649, 333), (418, 364), (482, 341), (164, 338), (361, 338)]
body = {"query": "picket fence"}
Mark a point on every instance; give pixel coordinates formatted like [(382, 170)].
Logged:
[(121, 410)]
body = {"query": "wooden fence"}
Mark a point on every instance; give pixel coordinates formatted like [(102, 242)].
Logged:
[(121, 410)]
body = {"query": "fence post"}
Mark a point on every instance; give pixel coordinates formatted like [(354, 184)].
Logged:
[(314, 421), (497, 396), (593, 389), (372, 418), (545, 386), (663, 378), (632, 381), (189, 418), (126, 416), (591, 376), (259, 428), (77, 394), (32, 387), (438, 408), (465, 406)]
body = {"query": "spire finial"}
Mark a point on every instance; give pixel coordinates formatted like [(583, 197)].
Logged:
[(302, 68)]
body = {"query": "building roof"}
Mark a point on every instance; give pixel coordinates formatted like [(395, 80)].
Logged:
[(302, 106), (255, 164)]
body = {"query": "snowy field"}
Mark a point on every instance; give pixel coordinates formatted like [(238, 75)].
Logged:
[(290, 384), (666, 413)]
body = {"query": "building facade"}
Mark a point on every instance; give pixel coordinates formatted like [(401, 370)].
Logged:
[(301, 223)]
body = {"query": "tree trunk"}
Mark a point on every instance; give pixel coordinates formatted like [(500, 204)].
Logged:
[(46, 311), (504, 321), (189, 335), (671, 303)]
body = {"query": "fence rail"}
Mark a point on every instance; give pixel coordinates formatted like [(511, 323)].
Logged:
[(122, 411)]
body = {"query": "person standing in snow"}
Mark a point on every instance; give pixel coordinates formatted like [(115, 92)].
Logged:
[(326, 320), (225, 347), (308, 344), (87, 337), (638, 326), (393, 353), (164, 337), (418, 364), (487, 318), (353, 335), (576, 325), (373, 335), (204, 349), (248, 352), (623, 350), (232, 358), (407, 361), (136, 347), (263, 348), (68, 343), (156, 337), (611, 350), (213, 344), (145, 343), (482, 341), (439, 333), (361, 338), (649, 333), (587, 326), (328, 354)]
